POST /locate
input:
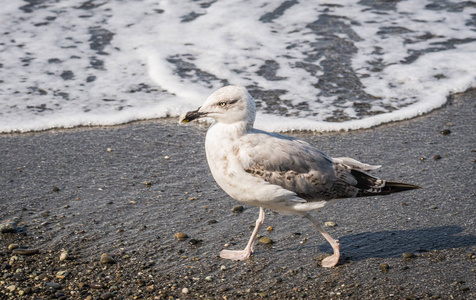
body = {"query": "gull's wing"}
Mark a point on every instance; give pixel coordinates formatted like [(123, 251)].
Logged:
[(296, 166)]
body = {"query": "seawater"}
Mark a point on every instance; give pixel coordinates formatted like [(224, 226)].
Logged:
[(311, 65)]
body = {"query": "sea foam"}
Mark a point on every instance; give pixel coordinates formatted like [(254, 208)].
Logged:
[(337, 65)]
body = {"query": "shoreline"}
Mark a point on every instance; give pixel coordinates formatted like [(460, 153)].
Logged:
[(127, 189), (173, 119)]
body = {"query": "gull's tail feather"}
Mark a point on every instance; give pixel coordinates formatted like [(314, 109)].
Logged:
[(371, 186)]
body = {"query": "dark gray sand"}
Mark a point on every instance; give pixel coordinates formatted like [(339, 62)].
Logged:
[(66, 191)]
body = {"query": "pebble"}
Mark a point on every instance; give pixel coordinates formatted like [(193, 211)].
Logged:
[(11, 247), (384, 267), (107, 259), (208, 278), (64, 255), (109, 150), (237, 209), (54, 285), (269, 229), (56, 189), (185, 290), (106, 296), (408, 255), (195, 242), (11, 288), (265, 240), (150, 288), (25, 251), (436, 157), (147, 183), (223, 267), (8, 227), (330, 224), (181, 236), (209, 222), (81, 285), (97, 285), (62, 274), (445, 132)]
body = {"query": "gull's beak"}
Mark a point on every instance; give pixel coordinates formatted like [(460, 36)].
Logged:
[(191, 115)]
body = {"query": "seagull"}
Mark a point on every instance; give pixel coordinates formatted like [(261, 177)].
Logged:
[(275, 171)]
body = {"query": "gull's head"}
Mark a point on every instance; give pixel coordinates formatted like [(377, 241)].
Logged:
[(230, 104)]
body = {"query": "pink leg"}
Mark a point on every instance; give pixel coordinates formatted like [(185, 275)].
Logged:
[(245, 253), (332, 260)]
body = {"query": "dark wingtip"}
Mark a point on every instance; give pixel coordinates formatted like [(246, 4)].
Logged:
[(402, 186)]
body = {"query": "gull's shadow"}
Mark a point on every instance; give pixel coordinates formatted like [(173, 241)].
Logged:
[(385, 244)]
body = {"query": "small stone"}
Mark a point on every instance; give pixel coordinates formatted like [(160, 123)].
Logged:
[(265, 240), (107, 259), (147, 183), (22, 251), (181, 236), (445, 132), (150, 288), (436, 157), (62, 274), (384, 267), (11, 247), (109, 150), (269, 229), (81, 285), (408, 255), (330, 224), (64, 255), (194, 242), (54, 285), (208, 278), (209, 222), (237, 209), (97, 285), (223, 267), (185, 291), (11, 288), (56, 189), (166, 157), (471, 255), (8, 227), (106, 296)]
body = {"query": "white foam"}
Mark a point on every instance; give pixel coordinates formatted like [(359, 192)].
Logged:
[(229, 42)]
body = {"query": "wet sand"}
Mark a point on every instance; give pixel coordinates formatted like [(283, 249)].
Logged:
[(126, 190)]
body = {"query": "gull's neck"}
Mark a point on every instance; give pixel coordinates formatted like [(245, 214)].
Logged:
[(233, 130)]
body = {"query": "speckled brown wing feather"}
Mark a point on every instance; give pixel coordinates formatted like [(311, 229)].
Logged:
[(296, 166)]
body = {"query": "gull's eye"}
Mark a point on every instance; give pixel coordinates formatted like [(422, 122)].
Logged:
[(222, 103)]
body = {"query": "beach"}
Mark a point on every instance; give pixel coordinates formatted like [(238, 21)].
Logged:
[(127, 190)]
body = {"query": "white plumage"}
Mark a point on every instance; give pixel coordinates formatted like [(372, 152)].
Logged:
[(275, 171)]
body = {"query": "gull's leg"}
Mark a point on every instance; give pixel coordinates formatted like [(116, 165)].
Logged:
[(245, 253), (332, 260)]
